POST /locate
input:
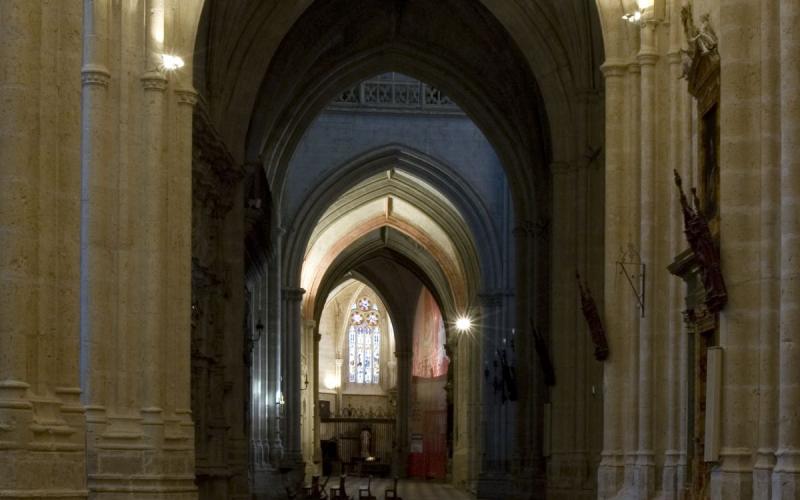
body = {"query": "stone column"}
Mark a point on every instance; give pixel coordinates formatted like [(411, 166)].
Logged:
[(740, 231), (315, 387), (339, 362), (99, 191), (153, 222), (180, 268), (679, 156), (565, 317), (647, 57), (403, 355), (769, 331), (292, 375), (610, 471), (786, 475), (274, 350), (493, 481), (628, 308)]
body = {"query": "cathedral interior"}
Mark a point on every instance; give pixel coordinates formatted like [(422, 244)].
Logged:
[(472, 249)]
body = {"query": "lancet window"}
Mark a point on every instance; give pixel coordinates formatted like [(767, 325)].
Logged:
[(364, 343)]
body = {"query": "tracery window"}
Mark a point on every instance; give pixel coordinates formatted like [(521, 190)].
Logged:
[(364, 343)]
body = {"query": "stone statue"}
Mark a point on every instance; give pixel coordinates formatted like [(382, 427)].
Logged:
[(701, 41), (366, 441), (704, 249)]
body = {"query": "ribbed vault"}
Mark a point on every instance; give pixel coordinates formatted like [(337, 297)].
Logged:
[(425, 228)]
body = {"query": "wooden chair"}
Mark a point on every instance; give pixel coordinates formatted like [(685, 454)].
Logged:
[(365, 491), (322, 494), (392, 492), (339, 493)]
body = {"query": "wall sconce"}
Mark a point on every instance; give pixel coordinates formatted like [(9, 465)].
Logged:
[(636, 15)]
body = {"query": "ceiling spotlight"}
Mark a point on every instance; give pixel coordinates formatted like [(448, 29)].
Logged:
[(170, 62), (463, 324)]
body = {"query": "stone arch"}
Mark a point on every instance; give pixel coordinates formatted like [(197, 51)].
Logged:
[(482, 261)]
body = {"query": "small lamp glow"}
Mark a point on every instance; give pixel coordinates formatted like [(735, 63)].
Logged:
[(463, 324), (171, 62)]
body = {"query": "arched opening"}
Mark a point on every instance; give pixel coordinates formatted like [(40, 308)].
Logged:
[(428, 210)]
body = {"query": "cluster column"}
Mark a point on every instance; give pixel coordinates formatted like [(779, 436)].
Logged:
[(611, 469), (292, 376), (786, 475)]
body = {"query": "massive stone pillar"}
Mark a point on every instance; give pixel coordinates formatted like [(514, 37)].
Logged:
[(739, 245), (41, 418), (135, 251), (786, 475)]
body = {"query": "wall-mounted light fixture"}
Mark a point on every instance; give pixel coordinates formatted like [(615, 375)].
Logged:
[(464, 324), (171, 62), (635, 15)]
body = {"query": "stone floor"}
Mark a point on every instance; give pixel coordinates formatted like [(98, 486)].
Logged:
[(408, 489)]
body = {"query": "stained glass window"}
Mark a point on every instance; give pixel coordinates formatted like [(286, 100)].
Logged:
[(364, 343)]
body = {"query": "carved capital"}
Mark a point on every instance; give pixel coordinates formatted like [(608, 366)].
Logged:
[(95, 75), (154, 80), (293, 294), (186, 96), (613, 68)]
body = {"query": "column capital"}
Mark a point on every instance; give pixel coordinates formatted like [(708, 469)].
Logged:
[(613, 68), (293, 294), (154, 80), (95, 75), (647, 58), (187, 96)]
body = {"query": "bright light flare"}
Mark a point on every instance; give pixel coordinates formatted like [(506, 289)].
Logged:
[(463, 324), (331, 382), (633, 17), (171, 62)]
